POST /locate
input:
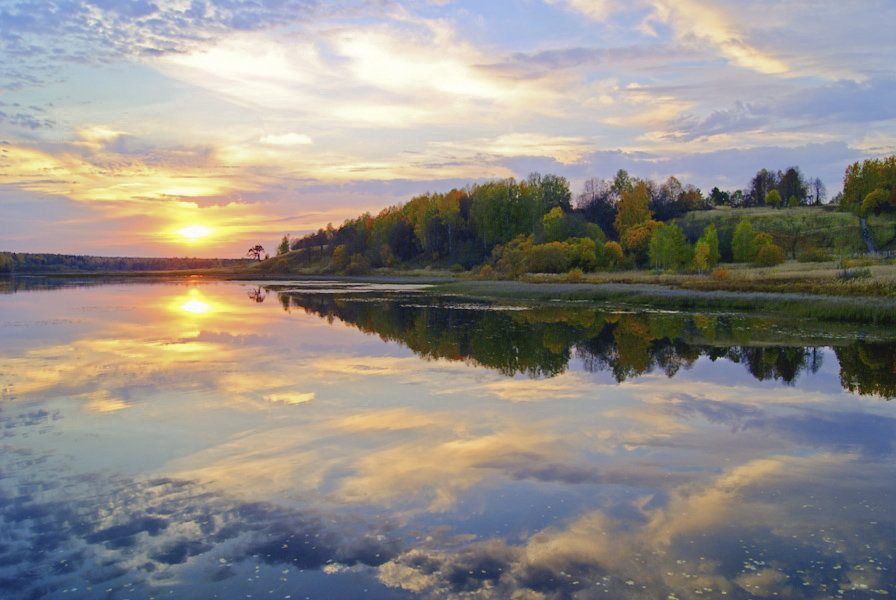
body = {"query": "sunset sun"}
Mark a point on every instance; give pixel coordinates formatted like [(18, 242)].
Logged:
[(193, 233)]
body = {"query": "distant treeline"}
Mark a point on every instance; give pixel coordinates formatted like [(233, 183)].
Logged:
[(25, 262), (542, 227)]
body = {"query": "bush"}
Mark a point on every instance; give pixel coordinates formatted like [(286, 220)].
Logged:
[(575, 275), (548, 258), (769, 255), (721, 274), (485, 272), (456, 268)]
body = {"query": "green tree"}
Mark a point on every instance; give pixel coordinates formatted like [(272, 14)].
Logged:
[(719, 198), (711, 238), (861, 180), (555, 225), (743, 243), (582, 253), (668, 247), (555, 192), (622, 182), (875, 202), (773, 198)]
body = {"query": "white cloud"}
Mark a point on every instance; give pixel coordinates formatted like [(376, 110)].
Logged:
[(286, 139)]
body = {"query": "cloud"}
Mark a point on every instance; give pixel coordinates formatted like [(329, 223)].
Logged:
[(286, 139), (694, 22), (596, 10)]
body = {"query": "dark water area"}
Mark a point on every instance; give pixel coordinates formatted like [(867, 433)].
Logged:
[(333, 440)]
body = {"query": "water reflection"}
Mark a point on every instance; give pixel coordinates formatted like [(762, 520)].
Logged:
[(152, 451), (540, 342)]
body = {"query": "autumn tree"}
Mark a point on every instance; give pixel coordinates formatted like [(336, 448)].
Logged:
[(634, 209), (341, 257), (711, 239), (633, 221)]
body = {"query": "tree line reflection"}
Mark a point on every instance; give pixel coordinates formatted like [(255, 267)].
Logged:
[(540, 342)]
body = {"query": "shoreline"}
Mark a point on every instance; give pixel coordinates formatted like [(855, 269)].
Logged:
[(856, 308)]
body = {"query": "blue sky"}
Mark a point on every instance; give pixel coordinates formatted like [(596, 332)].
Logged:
[(124, 121)]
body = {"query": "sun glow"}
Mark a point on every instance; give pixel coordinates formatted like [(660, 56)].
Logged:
[(194, 232), (193, 303)]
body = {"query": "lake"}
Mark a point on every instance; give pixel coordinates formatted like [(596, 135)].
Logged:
[(207, 439)]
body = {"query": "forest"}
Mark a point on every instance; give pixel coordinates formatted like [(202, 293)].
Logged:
[(535, 225)]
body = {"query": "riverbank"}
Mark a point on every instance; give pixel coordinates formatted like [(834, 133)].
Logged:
[(645, 295), (780, 292)]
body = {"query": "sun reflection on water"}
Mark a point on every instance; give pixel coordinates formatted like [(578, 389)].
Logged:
[(194, 303)]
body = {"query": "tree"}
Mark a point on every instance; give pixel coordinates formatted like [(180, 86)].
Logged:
[(871, 175), (622, 182), (634, 209), (668, 248), (875, 202), (743, 244), (793, 185), (773, 198), (701, 256), (711, 239), (283, 248), (719, 198), (762, 183), (818, 191), (255, 252), (769, 255), (664, 204), (614, 253), (555, 192), (598, 203), (555, 225), (341, 257)]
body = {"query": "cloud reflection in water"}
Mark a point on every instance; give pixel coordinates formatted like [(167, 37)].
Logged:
[(264, 450)]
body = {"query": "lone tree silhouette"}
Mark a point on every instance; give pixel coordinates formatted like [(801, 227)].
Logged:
[(255, 251)]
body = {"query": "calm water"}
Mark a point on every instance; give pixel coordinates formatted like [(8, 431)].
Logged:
[(330, 441)]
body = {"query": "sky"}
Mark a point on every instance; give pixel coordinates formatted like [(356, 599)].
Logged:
[(204, 127)]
